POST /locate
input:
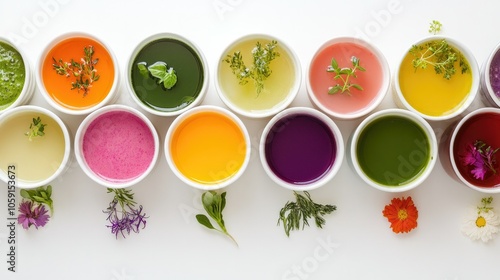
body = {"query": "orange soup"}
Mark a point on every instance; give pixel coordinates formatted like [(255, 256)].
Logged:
[(208, 147), (59, 87)]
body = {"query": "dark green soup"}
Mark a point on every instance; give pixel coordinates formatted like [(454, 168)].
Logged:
[(393, 150), (187, 66), (12, 75)]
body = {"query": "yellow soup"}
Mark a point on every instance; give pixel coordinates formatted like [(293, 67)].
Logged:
[(430, 93), (36, 159), (208, 147)]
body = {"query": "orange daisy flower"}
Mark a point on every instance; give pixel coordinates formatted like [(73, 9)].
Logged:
[(402, 214)]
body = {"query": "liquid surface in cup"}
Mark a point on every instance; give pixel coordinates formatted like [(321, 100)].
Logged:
[(482, 127), (118, 146), (300, 149), (35, 160), (64, 89), (393, 150), (276, 87), (187, 66), (494, 73), (430, 93), (12, 75), (208, 147), (321, 80)]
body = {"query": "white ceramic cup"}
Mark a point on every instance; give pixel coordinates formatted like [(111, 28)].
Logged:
[(337, 144), (488, 94), (29, 81), (144, 88), (110, 97), (258, 112), (400, 100), (80, 153), (58, 167), (414, 156), (230, 176), (378, 97)]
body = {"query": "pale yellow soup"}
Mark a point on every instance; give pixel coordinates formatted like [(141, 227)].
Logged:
[(276, 87), (430, 93), (35, 160)]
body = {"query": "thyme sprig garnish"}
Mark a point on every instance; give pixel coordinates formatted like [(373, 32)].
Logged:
[(214, 204), (36, 129), (295, 215), (438, 54), (260, 69), (343, 74), (84, 72), (127, 218)]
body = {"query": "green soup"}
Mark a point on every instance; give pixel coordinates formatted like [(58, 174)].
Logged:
[(12, 75), (187, 66), (393, 150)]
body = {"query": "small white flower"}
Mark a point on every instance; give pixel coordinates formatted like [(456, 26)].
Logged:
[(481, 224)]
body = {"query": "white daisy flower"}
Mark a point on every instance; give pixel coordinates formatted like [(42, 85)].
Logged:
[(482, 222)]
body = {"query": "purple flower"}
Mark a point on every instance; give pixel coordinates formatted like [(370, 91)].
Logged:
[(471, 155), (32, 215), (480, 159), (127, 220)]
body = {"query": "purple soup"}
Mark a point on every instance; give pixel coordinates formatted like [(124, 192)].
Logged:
[(300, 149)]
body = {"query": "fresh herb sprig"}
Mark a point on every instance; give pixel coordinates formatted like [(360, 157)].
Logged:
[(84, 72), (214, 204), (41, 195), (36, 129), (343, 74), (165, 75), (127, 218), (295, 215), (486, 201), (438, 54), (260, 69)]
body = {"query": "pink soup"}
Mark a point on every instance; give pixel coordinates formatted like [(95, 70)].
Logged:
[(370, 80), (118, 146)]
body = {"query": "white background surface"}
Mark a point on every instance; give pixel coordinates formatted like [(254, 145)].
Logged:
[(77, 245)]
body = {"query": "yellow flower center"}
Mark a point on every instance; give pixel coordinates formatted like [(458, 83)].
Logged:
[(480, 221), (402, 214)]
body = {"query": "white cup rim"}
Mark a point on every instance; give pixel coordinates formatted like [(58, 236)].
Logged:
[(188, 42), (456, 129), (200, 109), (80, 133), (384, 88), (474, 68), (39, 69), (29, 84), (486, 76), (67, 143), (339, 157), (417, 119), (291, 95)]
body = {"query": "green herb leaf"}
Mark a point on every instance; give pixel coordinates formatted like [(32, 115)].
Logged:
[(36, 129), (169, 79), (213, 203), (343, 75), (158, 70), (260, 69), (202, 219), (25, 194), (143, 69), (295, 215), (439, 54)]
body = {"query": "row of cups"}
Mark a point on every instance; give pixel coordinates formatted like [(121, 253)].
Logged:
[(208, 147), (414, 162), (191, 68)]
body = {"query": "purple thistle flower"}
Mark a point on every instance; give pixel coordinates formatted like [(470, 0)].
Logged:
[(32, 215), (480, 159)]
